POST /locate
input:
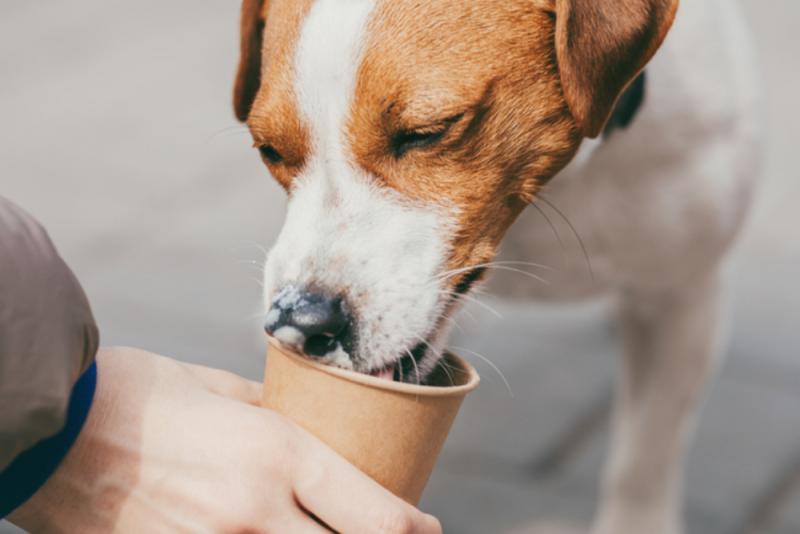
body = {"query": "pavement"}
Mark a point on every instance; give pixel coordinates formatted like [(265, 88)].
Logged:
[(118, 134)]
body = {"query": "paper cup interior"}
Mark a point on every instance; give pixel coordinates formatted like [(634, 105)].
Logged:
[(392, 431)]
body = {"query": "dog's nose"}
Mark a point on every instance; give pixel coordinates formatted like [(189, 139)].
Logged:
[(313, 323)]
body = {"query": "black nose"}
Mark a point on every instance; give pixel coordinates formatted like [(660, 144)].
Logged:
[(310, 322)]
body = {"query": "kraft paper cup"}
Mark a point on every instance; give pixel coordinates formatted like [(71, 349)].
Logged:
[(392, 431)]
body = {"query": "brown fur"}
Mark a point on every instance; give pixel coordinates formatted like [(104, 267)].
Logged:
[(601, 46), (248, 75), (273, 116), (525, 79), (491, 62)]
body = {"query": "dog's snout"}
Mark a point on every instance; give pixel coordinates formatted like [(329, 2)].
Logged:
[(314, 323)]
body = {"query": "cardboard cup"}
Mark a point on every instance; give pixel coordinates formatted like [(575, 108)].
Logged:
[(392, 431)]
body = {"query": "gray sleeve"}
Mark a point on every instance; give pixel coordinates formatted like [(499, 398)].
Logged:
[(48, 336)]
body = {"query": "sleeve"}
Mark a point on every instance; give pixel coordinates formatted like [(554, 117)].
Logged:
[(48, 337)]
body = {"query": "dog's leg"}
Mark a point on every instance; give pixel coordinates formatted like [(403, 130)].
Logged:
[(670, 341)]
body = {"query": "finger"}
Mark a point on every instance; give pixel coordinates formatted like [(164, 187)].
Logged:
[(227, 384), (349, 501), (299, 523)]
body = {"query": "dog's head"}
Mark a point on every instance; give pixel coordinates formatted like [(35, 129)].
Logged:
[(409, 135)]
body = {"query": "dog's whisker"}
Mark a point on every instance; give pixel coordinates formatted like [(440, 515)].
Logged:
[(555, 233), (525, 273), (227, 132), (451, 320), (501, 267), (491, 364), (255, 245), (416, 367), (444, 315), (440, 360), (253, 265), (446, 368), (436, 352), (468, 313), (231, 127), (400, 371), (480, 289), (257, 281), (574, 231), (453, 272), (474, 300), (424, 341)]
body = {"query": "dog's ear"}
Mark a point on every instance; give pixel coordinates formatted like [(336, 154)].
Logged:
[(601, 46), (248, 76)]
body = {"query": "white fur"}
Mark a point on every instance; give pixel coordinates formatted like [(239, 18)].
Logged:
[(343, 230), (660, 202), (657, 207)]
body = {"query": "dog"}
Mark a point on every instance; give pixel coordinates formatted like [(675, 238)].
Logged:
[(411, 135)]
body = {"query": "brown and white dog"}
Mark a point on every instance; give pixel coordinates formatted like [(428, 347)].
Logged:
[(411, 134)]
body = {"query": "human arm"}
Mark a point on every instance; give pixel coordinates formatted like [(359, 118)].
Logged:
[(175, 447)]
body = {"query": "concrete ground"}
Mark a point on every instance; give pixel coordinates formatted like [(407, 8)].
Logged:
[(117, 133)]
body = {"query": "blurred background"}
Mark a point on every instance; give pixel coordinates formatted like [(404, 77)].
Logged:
[(117, 133)]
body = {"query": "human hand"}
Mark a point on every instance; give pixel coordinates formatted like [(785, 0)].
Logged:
[(174, 447)]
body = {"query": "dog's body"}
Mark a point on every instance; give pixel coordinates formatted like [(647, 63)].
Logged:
[(656, 206), (657, 203), (411, 135)]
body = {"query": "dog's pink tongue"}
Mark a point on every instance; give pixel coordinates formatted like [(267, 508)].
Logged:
[(386, 374)]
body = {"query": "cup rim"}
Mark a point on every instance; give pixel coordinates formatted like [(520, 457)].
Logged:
[(472, 381)]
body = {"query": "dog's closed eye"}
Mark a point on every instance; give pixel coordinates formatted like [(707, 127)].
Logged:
[(409, 140), (269, 153), (427, 136)]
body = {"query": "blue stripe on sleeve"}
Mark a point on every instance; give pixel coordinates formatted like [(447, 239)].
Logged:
[(31, 469)]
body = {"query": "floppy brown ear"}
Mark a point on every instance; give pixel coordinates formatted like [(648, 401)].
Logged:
[(601, 45), (248, 76)]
